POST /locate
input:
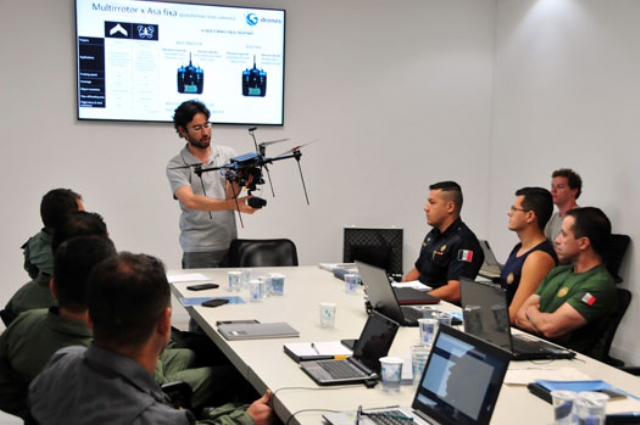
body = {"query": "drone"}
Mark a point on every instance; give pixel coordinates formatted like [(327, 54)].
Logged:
[(247, 170)]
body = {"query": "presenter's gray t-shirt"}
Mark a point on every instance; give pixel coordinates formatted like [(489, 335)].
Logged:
[(199, 231)]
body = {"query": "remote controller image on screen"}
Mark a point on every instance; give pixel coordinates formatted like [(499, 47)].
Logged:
[(254, 81), (190, 79)]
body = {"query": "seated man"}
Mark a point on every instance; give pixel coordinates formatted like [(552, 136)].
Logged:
[(566, 187), (112, 380), (55, 204), (532, 258), (450, 249), (573, 298), (38, 254)]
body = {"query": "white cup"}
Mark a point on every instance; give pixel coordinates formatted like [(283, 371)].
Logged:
[(351, 283), (277, 284), (564, 409), (255, 290), (327, 315), (419, 356), (391, 374), (428, 331), (590, 407), (235, 281)]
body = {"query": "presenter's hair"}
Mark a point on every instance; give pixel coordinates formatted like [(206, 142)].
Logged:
[(56, 204), (186, 111), (452, 190), (74, 260), (79, 223), (592, 223), (128, 293), (538, 200), (573, 179)]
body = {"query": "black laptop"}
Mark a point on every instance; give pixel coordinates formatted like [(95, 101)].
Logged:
[(374, 342), (460, 385), (383, 298), (486, 316)]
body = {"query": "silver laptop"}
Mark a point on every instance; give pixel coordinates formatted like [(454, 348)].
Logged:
[(460, 385), (364, 366), (491, 268), (486, 315), (241, 331)]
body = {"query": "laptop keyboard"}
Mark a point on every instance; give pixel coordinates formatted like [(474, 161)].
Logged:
[(390, 417), (411, 314), (341, 369)]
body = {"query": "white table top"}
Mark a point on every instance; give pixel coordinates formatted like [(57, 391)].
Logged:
[(265, 365)]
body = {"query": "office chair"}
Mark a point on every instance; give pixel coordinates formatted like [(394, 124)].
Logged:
[(614, 254), (262, 253), (601, 349)]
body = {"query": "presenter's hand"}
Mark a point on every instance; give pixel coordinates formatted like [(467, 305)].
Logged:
[(243, 207), (260, 410)]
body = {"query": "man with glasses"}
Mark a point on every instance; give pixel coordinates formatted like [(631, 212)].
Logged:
[(208, 201), (566, 187), (533, 257)]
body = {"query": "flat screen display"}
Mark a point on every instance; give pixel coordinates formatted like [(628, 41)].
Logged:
[(138, 60)]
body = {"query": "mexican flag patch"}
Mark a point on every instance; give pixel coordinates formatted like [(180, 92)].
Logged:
[(588, 299)]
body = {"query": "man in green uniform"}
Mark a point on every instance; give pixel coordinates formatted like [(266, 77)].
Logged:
[(574, 298)]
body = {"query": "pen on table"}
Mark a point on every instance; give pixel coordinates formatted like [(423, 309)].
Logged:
[(315, 348)]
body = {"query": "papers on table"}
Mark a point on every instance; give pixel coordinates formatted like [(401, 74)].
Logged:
[(415, 284), (192, 277), (526, 376), (333, 266)]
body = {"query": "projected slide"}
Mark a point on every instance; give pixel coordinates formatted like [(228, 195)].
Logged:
[(138, 60)]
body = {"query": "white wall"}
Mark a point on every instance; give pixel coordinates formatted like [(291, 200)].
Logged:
[(394, 91), (567, 94)]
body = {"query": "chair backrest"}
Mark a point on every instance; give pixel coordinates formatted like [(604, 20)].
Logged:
[(614, 254), (601, 349), (262, 253)]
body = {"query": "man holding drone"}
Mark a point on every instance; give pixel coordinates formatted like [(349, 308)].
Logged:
[(207, 200)]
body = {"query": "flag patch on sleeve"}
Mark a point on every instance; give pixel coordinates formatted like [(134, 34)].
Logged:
[(465, 255), (588, 299)]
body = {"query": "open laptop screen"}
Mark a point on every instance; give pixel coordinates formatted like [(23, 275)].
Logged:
[(376, 339), (462, 379)]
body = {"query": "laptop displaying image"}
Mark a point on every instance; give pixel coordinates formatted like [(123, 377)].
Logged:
[(374, 342), (486, 316), (491, 268), (383, 298), (460, 385)]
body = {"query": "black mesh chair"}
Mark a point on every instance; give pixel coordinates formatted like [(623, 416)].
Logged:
[(614, 254), (601, 349), (262, 253)]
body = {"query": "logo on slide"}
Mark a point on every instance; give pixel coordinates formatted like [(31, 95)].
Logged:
[(252, 19)]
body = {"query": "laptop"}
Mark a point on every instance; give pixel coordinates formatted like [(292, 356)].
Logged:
[(460, 385), (491, 268), (383, 298), (364, 366), (486, 315), (242, 331)]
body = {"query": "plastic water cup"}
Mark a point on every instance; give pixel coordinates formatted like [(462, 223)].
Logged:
[(590, 407), (351, 283), (265, 288), (277, 284), (235, 281), (428, 331), (443, 319), (563, 407), (419, 356), (255, 290), (327, 315), (391, 374), (246, 277)]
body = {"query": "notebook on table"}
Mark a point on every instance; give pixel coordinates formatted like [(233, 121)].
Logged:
[(486, 315), (374, 342), (460, 385), (383, 298), (491, 268), (241, 331)]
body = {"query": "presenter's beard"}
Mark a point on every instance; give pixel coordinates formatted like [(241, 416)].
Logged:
[(202, 143)]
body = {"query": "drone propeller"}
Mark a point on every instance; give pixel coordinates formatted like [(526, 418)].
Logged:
[(271, 142), (296, 148)]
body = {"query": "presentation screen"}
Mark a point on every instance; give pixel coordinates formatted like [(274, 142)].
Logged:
[(138, 60)]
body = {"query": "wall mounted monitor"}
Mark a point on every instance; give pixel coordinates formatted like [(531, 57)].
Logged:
[(138, 60)]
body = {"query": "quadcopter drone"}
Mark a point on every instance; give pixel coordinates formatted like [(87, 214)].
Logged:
[(246, 170)]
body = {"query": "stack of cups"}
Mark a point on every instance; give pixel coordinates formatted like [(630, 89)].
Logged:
[(585, 407)]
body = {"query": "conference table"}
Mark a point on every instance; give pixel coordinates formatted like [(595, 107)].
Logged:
[(297, 398)]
